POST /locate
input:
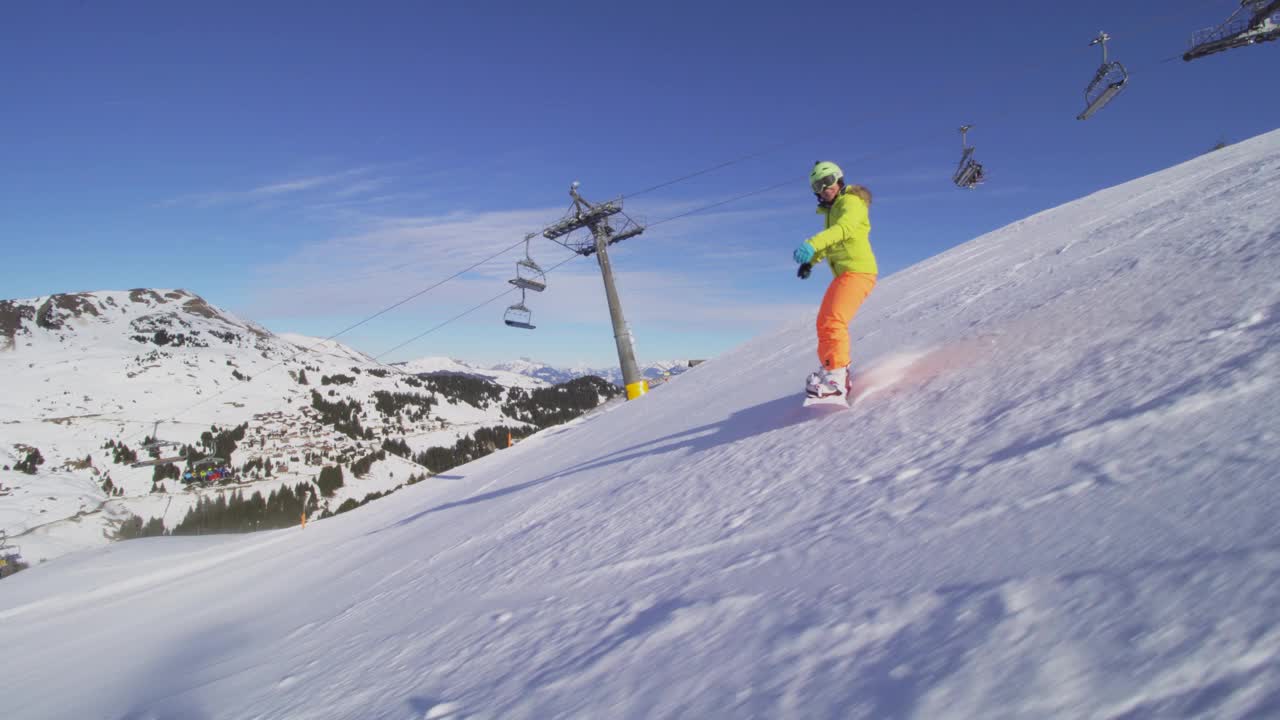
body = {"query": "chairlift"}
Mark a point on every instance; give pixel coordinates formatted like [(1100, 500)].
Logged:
[(154, 448), (519, 316), (969, 173), (156, 443), (206, 462), (1107, 82), (528, 275), (1255, 21)]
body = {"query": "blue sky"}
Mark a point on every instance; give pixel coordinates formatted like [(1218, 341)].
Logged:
[(306, 165)]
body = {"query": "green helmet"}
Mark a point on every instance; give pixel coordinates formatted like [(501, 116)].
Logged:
[(824, 173)]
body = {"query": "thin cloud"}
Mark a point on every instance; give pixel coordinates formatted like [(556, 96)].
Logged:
[(362, 187), (297, 185), (277, 190)]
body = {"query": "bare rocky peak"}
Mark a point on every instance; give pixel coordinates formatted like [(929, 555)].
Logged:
[(142, 310), (54, 312), (12, 316)]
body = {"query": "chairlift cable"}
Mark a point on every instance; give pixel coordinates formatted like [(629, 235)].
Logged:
[(713, 168), (414, 296), (463, 314), (775, 186)]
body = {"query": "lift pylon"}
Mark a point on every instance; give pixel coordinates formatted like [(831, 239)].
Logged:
[(154, 448), (605, 231), (1255, 21), (10, 556), (156, 443)]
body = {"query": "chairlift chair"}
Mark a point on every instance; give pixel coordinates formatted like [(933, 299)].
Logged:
[(1255, 21), (528, 275), (1108, 81), (519, 316), (969, 173)]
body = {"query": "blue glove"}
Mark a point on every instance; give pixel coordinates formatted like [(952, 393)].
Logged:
[(804, 253)]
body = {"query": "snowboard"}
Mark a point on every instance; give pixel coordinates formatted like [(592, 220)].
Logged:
[(836, 400)]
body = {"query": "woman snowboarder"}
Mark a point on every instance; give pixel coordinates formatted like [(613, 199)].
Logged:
[(844, 243)]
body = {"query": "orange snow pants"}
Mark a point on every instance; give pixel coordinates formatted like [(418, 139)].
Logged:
[(844, 297)]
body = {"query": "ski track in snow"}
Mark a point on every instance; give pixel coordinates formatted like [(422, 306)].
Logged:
[(1053, 495)]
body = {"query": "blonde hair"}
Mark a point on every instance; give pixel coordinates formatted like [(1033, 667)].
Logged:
[(861, 191)]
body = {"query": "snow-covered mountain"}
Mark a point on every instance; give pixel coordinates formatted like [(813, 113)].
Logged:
[(1054, 496), (325, 346), (654, 371), (86, 378), (499, 375), (542, 371)]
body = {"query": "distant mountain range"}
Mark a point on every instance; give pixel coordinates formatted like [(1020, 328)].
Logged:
[(554, 375)]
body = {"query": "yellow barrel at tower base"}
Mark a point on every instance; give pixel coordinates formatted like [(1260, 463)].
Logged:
[(636, 389)]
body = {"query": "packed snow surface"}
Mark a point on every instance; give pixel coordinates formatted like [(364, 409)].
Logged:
[(1054, 496)]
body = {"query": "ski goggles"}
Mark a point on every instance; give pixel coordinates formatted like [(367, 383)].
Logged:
[(824, 182)]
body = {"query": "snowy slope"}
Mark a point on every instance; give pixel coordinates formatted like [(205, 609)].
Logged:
[(1053, 497), (323, 346)]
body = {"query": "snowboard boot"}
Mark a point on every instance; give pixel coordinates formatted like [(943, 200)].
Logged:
[(828, 383)]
